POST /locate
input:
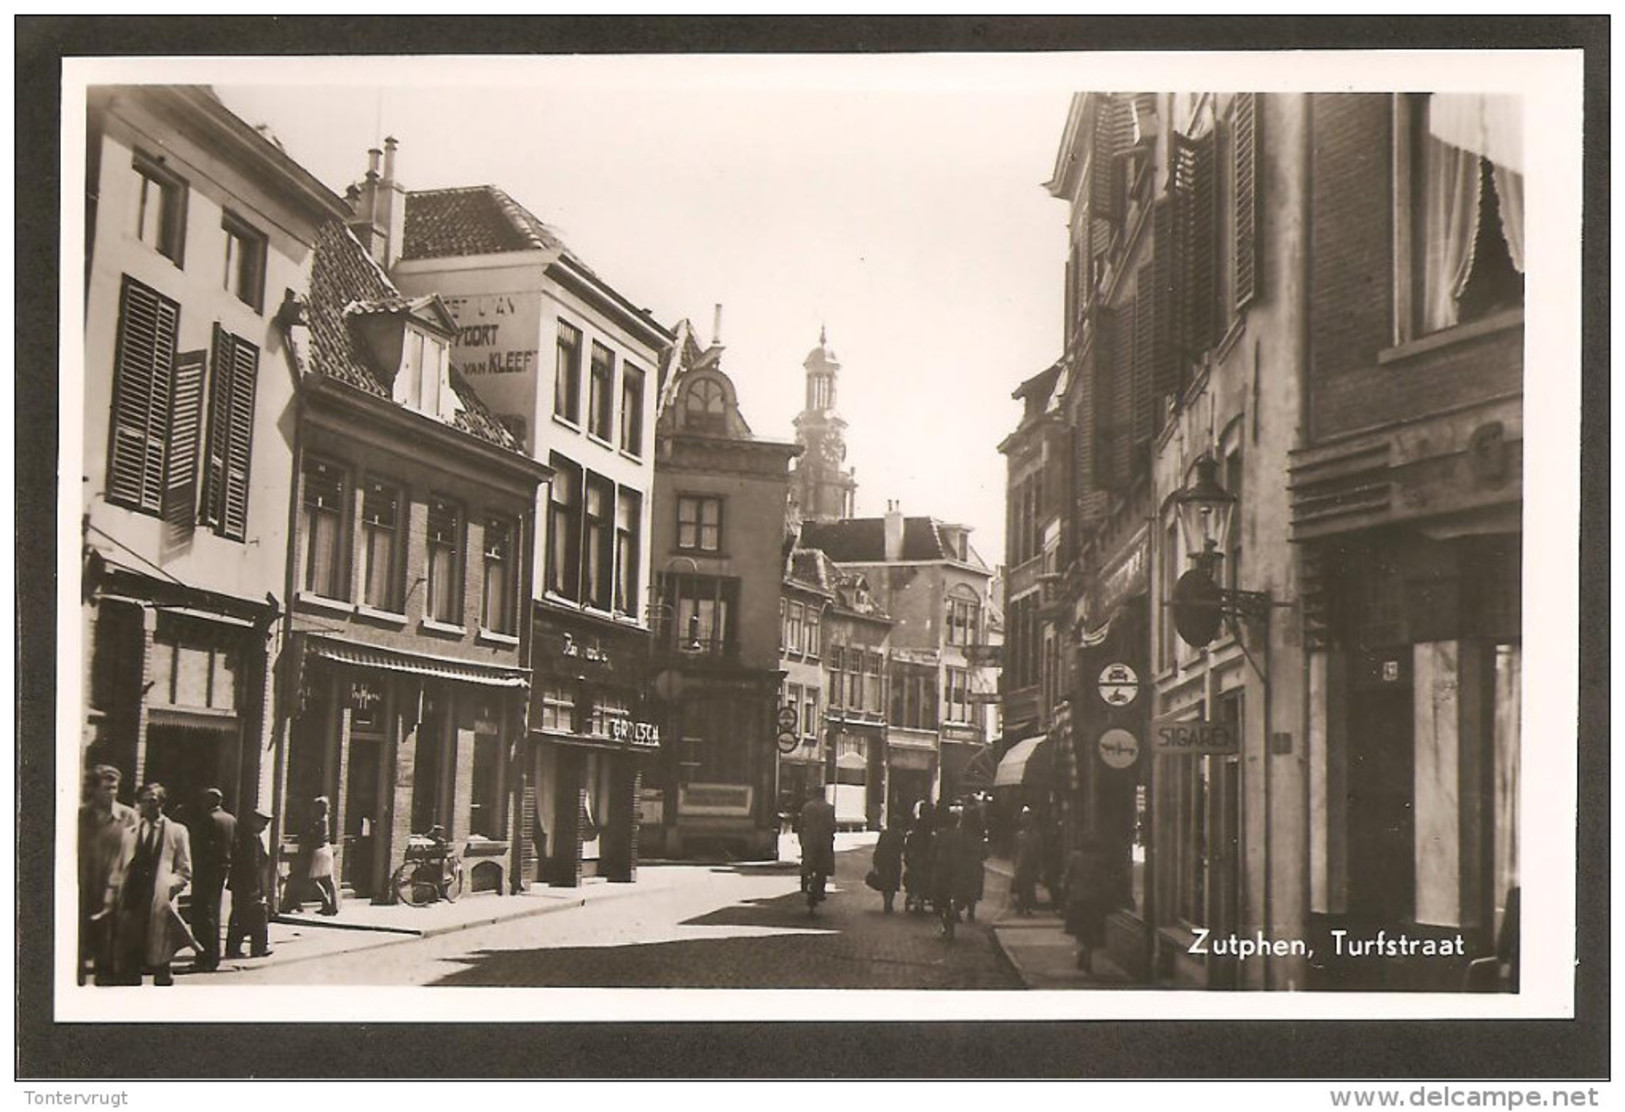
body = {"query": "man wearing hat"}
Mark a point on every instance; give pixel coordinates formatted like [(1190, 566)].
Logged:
[(249, 858), (212, 836)]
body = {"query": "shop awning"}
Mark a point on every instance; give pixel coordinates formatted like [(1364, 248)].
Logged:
[(979, 771), (1028, 762), (415, 664)]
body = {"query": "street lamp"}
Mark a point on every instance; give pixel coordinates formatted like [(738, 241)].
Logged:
[(1206, 514)]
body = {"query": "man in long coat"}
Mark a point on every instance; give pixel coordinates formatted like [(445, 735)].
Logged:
[(249, 867), (150, 930), (817, 846), (106, 840), (213, 833)]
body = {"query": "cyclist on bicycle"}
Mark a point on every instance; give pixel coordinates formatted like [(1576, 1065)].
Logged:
[(817, 847)]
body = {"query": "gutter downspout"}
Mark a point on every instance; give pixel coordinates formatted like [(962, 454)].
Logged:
[(1300, 439)]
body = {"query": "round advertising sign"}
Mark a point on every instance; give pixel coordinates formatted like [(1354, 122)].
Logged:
[(1119, 748), (1119, 684)]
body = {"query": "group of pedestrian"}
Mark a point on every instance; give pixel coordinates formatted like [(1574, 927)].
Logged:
[(936, 862), (134, 864)]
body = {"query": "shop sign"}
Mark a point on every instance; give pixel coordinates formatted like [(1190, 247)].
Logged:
[(1119, 748), (639, 735), (1195, 737), (1123, 578), (721, 800), (593, 652)]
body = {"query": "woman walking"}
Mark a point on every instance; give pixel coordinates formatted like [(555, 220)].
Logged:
[(917, 850), (888, 864)]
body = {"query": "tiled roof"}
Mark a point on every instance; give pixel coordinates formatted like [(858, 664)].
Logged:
[(473, 220), (863, 539), (345, 279)]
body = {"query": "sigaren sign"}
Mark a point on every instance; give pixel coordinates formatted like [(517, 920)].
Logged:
[(1195, 737)]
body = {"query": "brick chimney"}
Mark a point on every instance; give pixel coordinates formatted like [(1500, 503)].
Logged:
[(379, 204), (894, 531)]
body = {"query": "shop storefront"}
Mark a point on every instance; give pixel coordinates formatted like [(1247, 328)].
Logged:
[(911, 770)]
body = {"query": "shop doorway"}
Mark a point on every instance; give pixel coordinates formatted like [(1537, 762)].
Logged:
[(361, 814), (1381, 812), (188, 759)]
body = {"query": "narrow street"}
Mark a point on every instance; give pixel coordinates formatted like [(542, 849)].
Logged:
[(723, 926)]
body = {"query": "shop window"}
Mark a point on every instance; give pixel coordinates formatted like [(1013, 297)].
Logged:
[(231, 434), (244, 274), (501, 572), (158, 212), (144, 398), (601, 393), (1459, 221), (321, 526), (564, 530), (628, 528), (609, 708), (699, 525), (445, 543), (381, 546), (631, 409), (567, 374), (598, 567)]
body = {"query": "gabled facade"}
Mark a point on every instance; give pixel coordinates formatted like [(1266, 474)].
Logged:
[(404, 687), (198, 229), (717, 545), (570, 367)]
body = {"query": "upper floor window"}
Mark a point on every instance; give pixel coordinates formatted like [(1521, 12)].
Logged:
[(631, 409), (963, 620), (158, 216), (792, 627), (231, 434), (837, 676), (245, 261), (705, 407), (956, 695), (424, 380), (380, 564), (598, 543), (697, 612), (628, 527), (812, 631), (321, 526), (501, 572), (601, 403), (144, 399), (567, 374), (1459, 209), (564, 530), (445, 542), (699, 524)]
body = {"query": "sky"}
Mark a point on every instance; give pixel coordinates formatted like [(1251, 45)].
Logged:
[(896, 202)]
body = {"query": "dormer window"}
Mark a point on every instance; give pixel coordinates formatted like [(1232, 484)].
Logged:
[(424, 380)]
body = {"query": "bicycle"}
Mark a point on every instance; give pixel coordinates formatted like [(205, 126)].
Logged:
[(432, 870)]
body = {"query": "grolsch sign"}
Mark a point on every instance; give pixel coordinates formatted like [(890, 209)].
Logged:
[(1194, 737)]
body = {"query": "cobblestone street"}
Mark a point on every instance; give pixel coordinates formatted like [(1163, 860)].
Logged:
[(723, 926)]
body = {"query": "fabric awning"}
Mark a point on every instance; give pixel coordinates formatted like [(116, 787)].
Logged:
[(416, 664), (1028, 762), (979, 771)]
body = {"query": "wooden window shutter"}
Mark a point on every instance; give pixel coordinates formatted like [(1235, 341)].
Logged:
[(1244, 152), (231, 434), (1113, 136), (1170, 323), (185, 441), (1197, 195), (1143, 370), (143, 367), (1101, 403)]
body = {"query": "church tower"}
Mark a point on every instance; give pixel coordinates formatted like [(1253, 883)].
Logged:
[(822, 489)]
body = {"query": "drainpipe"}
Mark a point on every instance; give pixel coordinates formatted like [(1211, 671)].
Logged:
[(1299, 440)]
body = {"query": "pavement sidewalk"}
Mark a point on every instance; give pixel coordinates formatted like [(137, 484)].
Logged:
[(1037, 946)]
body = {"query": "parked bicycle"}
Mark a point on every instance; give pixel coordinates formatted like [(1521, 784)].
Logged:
[(432, 870)]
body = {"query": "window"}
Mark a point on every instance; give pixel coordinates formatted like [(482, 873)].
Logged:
[(322, 527), (231, 434), (158, 216), (705, 407), (445, 561), (699, 527), (956, 695), (601, 403), (813, 630), (567, 374), (784, 628), (871, 683), (792, 699), (631, 409), (809, 715), (963, 619), (628, 526), (245, 261), (837, 678), (792, 629), (564, 529), (854, 680), (558, 707), (424, 380), (1458, 224), (485, 795), (501, 564), (143, 397), (598, 578), (380, 546), (914, 696), (608, 708), (698, 615)]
